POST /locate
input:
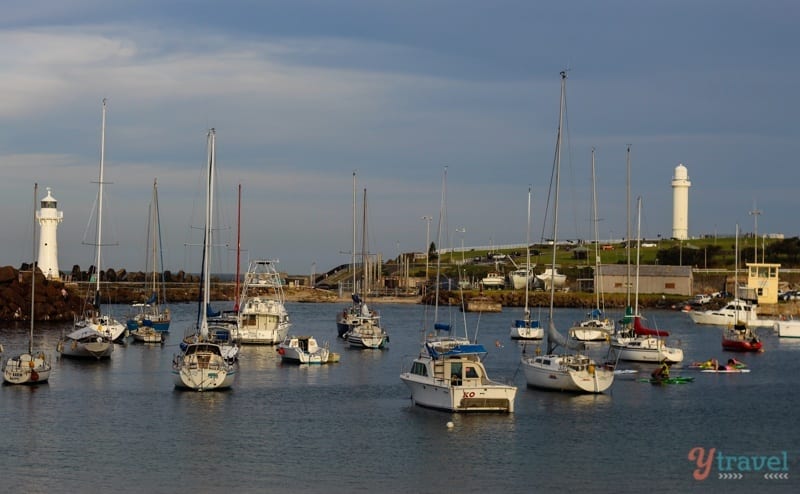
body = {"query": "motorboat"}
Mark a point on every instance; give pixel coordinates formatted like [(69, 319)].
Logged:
[(303, 350), (736, 310), (493, 279), (262, 318), (448, 375)]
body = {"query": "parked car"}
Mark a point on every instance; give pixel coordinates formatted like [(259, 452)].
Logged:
[(789, 295), (701, 299)]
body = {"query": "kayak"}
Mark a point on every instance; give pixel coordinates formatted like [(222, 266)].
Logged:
[(726, 371), (668, 380)]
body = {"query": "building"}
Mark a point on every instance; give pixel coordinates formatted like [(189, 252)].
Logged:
[(680, 203), (49, 217), (666, 280)]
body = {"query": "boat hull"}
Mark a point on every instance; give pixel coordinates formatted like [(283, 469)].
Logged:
[(787, 329), (27, 369), (524, 330), (86, 343), (646, 349), (576, 374), (441, 395), (202, 371)]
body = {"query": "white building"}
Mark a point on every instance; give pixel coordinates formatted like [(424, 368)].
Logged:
[(680, 203), (49, 217)]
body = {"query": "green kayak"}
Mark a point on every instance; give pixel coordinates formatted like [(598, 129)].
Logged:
[(668, 380)]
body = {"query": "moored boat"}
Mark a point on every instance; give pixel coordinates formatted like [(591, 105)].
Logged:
[(304, 350)]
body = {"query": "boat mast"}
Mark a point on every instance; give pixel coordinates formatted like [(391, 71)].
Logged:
[(638, 245), (162, 294), (207, 233), (439, 246), (353, 250), (596, 240), (527, 257), (33, 268), (153, 246), (628, 224), (364, 257), (550, 344), (100, 207), (238, 248)]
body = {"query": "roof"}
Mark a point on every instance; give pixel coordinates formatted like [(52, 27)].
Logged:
[(647, 270)]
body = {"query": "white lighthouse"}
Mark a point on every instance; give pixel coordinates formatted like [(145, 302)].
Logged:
[(680, 203), (49, 217)]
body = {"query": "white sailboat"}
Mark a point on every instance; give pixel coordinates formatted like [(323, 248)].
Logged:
[(29, 368), (358, 311), (202, 365), (262, 318), (527, 328), (636, 342), (574, 372), (95, 333), (153, 317), (367, 333), (595, 327), (448, 374)]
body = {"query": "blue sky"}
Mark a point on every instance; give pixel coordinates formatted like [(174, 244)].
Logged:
[(302, 93)]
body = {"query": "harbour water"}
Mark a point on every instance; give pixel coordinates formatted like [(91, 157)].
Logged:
[(350, 427)]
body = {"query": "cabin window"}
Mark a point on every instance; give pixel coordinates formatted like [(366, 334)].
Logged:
[(455, 369), (419, 369), (471, 373)]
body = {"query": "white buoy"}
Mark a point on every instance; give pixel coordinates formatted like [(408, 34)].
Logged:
[(450, 425)]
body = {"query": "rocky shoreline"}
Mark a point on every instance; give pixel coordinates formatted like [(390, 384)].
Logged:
[(59, 302)]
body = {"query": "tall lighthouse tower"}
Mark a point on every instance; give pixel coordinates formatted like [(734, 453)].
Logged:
[(49, 217), (680, 203)]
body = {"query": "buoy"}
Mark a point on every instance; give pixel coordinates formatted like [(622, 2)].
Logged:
[(450, 425)]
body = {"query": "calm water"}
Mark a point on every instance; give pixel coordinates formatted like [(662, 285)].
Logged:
[(350, 427)]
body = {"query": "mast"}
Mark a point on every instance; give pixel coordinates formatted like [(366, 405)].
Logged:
[(628, 225), (238, 247), (527, 256), (207, 233), (596, 239), (438, 246), (33, 268), (162, 294), (353, 250), (638, 249), (100, 206), (364, 259), (550, 344), (154, 240)]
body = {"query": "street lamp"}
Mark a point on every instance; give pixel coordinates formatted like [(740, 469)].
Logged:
[(427, 244)]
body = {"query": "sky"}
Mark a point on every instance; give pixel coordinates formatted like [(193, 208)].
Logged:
[(304, 93)]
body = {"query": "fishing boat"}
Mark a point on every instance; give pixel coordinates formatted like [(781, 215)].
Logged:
[(152, 317), (527, 328), (305, 350), (358, 312), (596, 326), (572, 372), (739, 336), (493, 280), (736, 310), (367, 333), (29, 367), (202, 365), (448, 374), (95, 332), (522, 277), (262, 318)]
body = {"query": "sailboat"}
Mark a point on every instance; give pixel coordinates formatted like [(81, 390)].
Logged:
[(448, 374), (574, 372), (595, 327), (29, 368), (367, 333), (527, 328), (95, 333), (636, 342), (739, 336), (202, 365), (358, 311), (153, 317)]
